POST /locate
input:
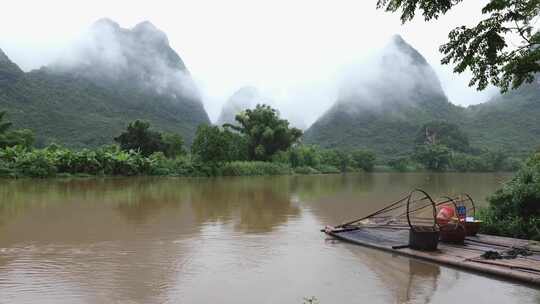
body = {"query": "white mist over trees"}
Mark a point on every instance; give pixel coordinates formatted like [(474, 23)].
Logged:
[(396, 74), (141, 56), (111, 77), (238, 43)]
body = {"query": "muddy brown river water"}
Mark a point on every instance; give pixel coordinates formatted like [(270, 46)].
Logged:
[(222, 240)]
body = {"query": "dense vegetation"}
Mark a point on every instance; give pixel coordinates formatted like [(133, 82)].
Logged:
[(265, 132), (10, 138), (138, 136), (215, 151), (508, 123), (441, 146), (514, 210)]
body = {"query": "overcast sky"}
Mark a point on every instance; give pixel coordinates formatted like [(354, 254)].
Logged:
[(292, 50)]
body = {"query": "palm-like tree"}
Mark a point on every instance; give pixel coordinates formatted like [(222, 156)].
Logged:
[(4, 125)]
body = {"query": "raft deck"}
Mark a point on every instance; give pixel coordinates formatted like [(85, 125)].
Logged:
[(467, 256)]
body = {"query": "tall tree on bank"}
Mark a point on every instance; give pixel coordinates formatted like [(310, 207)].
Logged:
[(502, 49), (22, 137), (138, 136), (213, 145), (265, 131), (4, 125)]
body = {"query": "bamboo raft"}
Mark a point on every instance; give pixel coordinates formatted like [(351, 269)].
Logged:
[(390, 229)]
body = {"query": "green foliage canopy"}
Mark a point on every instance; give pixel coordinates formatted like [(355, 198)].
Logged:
[(265, 132), (8, 138), (433, 157), (215, 145), (514, 210), (138, 136), (174, 145), (444, 133), (485, 48), (364, 159)]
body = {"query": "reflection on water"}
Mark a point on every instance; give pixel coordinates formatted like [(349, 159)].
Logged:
[(226, 240)]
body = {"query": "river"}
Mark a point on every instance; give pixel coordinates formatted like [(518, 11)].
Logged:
[(223, 240)]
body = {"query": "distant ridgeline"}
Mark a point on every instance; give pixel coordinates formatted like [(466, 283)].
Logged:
[(385, 112), (110, 78)]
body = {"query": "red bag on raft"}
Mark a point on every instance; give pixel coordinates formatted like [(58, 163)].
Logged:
[(445, 215)]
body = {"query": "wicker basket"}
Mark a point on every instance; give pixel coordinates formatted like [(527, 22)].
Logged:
[(456, 231), (453, 233), (472, 227)]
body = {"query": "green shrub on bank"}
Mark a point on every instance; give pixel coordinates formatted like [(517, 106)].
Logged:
[(246, 168), (433, 157), (37, 164), (306, 170), (302, 157), (364, 160), (327, 169), (514, 210), (112, 161), (403, 164), (5, 169), (486, 162)]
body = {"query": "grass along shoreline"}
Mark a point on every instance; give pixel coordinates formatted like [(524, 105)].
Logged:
[(55, 161)]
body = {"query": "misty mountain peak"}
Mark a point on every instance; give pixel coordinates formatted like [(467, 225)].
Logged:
[(396, 38), (398, 75), (9, 71), (140, 57), (105, 22), (3, 57), (145, 26), (406, 49), (150, 33)]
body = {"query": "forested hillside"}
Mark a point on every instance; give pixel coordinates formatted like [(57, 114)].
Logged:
[(384, 113), (509, 122), (114, 76), (391, 107)]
